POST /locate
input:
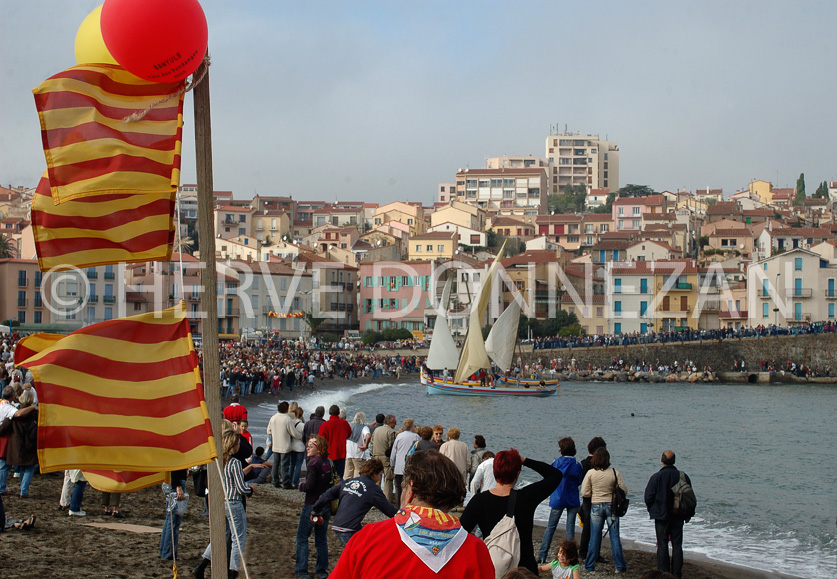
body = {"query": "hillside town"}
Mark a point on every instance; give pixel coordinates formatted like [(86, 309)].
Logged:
[(623, 260)]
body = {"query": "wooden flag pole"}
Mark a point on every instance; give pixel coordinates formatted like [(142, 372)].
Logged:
[(209, 307)]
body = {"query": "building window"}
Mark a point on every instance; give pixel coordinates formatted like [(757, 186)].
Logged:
[(38, 316), (441, 248), (21, 277), (418, 247), (765, 310), (636, 211), (797, 264)]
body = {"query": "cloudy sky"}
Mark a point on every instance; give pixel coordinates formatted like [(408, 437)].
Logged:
[(379, 101)]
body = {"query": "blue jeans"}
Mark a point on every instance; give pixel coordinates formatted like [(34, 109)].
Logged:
[(598, 514), (554, 519), (344, 536), (297, 458), (171, 526), (303, 532), (285, 466), (239, 522), (26, 473), (4, 474), (78, 494)]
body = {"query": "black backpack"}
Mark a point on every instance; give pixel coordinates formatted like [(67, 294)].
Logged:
[(619, 501)]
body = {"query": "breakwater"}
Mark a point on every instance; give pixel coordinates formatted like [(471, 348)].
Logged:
[(815, 350)]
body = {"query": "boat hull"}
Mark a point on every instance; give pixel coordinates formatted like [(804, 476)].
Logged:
[(527, 382), (474, 389)]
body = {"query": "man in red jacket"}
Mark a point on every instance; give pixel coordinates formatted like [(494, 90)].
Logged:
[(422, 539), (336, 431)]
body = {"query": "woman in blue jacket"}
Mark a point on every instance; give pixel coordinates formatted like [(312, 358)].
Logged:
[(565, 497)]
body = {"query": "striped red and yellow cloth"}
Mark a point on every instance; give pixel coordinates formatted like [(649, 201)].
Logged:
[(121, 395), (102, 229), (91, 150), (109, 481)]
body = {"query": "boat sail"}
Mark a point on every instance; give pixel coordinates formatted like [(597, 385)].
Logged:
[(443, 354), (476, 352)]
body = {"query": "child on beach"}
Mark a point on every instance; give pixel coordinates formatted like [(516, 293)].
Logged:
[(566, 563)]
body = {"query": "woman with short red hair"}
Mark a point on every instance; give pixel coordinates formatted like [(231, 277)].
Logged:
[(487, 508)]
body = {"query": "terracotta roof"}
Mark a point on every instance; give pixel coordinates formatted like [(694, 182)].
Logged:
[(662, 244), (434, 235), (233, 208), (606, 244), (533, 256), (647, 200), (659, 267), (658, 217), (618, 235), (327, 210), (784, 191), (732, 232), (761, 211), (559, 218), (510, 221), (723, 208)]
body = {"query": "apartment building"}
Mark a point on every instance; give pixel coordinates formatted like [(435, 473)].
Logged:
[(652, 296), (519, 191), (628, 212), (433, 245), (396, 295), (22, 297), (794, 287), (232, 220), (273, 287), (576, 159)]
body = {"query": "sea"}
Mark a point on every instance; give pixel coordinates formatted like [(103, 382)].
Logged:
[(762, 458)]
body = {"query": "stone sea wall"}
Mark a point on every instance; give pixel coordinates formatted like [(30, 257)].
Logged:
[(811, 349)]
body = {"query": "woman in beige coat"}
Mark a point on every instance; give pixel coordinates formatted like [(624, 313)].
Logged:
[(598, 485)]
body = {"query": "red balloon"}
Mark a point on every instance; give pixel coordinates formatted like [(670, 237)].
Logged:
[(158, 40)]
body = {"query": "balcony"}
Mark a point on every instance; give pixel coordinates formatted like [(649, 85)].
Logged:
[(711, 306), (800, 292), (92, 299), (109, 299), (800, 318), (682, 286), (110, 275), (92, 274), (38, 304), (831, 294), (22, 303), (22, 281)]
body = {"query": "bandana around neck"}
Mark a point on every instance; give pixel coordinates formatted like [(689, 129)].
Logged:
[(432, 535)]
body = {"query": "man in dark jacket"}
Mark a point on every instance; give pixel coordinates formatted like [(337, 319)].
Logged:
[(357, 496), (669, 527)]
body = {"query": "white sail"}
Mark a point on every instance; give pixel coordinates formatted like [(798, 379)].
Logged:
[(501, 339), (442, 354), (474, 356), (443, 305)]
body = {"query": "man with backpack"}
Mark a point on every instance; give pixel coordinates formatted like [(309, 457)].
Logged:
[(671, 502)]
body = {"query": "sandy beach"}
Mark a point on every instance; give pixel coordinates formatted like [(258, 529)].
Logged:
[(63, 546)]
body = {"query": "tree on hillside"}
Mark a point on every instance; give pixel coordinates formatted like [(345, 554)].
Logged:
[(495, 242), (607, 207), (631, 190), (571, 201), (822, 191), (800, 190)]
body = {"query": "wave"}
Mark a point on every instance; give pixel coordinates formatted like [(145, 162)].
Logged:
[(325, 397)]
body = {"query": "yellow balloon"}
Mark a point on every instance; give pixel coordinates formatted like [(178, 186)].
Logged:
[(90, 46)]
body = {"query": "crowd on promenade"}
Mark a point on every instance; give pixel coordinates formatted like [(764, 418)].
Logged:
[(253, 368), (415, 476), (687, 335)]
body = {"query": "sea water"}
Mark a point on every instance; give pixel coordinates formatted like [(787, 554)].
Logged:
[(761, 458)]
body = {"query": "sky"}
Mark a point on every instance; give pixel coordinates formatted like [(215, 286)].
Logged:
[(382, 101)]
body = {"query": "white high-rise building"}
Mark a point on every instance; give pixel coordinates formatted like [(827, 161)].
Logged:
[(576, 159)]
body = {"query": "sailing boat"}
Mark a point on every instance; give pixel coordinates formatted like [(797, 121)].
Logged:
[(477, 353)]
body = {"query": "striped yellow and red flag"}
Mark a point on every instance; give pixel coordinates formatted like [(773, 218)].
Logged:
[(91, 150), (109, 481), (101, 229), (121, 395)]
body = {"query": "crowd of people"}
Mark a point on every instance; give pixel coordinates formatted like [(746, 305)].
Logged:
[(416, 475), (253, 368), (686, 335)]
